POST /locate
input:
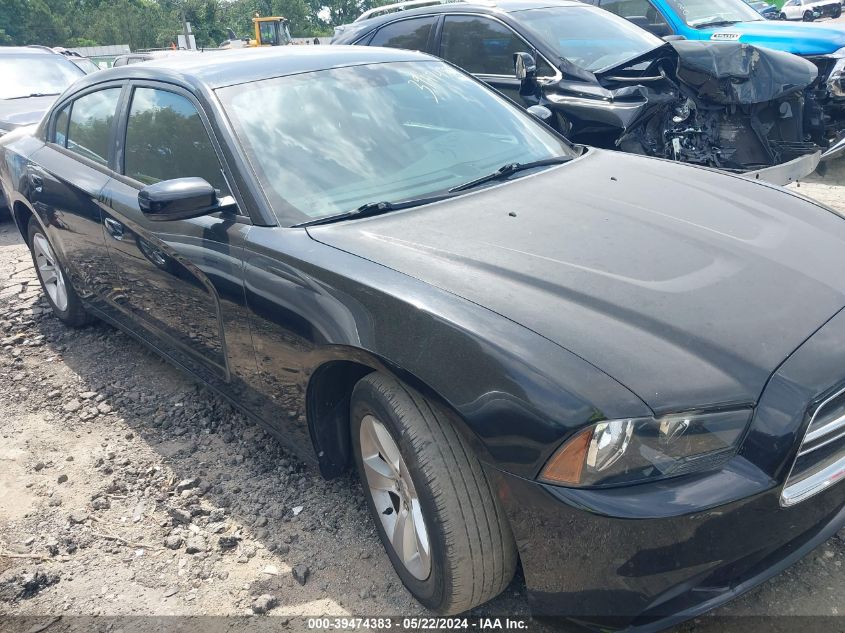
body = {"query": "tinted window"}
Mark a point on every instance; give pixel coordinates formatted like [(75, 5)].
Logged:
[(329, 141), (91, 118), (166, 138), (480, 45), (409, 34)]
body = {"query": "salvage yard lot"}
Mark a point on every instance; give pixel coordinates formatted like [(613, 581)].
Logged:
[(127, 489)]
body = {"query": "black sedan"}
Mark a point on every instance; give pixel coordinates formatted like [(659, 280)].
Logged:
[(625, 373), (605, 82)]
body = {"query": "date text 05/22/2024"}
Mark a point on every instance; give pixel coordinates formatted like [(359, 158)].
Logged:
[(419, 624)]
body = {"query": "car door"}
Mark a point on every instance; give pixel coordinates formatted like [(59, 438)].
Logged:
[(183, 278), (485, 46), (66, 179)]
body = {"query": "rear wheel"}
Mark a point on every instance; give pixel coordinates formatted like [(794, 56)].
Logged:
[(782, 16), (57, 287), (438, 519), (837, 12)]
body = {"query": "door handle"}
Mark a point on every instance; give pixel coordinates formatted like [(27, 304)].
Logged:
[(114, 228), (37, 182)]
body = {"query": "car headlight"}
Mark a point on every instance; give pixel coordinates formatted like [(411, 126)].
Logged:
[(836, 79), (616, 452)]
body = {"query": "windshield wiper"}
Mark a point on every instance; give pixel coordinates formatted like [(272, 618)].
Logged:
[(35, 94), (716, 23), (375, 208), (507, 170)]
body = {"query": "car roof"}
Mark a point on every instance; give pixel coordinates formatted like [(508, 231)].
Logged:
[(229, 67), (27, 50), (353, 30), (502, 6)]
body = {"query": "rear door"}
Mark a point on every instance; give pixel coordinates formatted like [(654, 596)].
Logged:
[(66, 179), (182, 278)]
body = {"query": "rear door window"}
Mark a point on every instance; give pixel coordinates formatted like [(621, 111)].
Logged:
[(90, 128), (409, 34)]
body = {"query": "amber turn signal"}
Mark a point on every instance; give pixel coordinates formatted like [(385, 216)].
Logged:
[(566, 466)]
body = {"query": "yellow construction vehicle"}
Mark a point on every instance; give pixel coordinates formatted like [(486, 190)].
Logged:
[(269, 31)]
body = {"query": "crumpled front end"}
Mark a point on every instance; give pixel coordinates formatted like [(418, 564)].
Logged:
[(719, 104)]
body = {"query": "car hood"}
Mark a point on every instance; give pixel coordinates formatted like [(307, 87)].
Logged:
[(19, 112), (793, 37), (725, 72), (687, 286)]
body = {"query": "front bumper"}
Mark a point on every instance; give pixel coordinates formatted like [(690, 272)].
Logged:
[(651, 555), (789, 172), (628, 571)]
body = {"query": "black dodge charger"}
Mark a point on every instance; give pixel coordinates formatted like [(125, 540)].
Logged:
[(623, 372)]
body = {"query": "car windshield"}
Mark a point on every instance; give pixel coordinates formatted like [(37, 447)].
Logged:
[(703, 13), (328, 142), (36, 74), (590, 38)]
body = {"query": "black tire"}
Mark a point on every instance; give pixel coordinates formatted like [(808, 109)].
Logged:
[(782, 16), (837, 12), (808, 16), (473, 554), (74, 315)]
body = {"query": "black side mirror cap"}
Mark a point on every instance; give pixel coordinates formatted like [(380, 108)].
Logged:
[(178, 199), (524, 66)]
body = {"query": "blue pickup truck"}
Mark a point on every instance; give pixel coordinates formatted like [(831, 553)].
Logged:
[(733, 20)]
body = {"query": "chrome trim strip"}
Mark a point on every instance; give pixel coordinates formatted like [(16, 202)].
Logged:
[(830, 427), (806, 488), (829, 440)]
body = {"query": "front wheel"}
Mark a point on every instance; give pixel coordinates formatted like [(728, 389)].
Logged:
[(55, 283), (438, 519), (808, 16)]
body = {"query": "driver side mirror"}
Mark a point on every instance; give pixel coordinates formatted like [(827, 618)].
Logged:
[(524, 66), (178, 199)]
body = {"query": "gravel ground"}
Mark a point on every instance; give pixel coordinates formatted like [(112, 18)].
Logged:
[(128, 490)]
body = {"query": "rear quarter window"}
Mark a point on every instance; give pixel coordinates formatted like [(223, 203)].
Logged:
[(410, 34)]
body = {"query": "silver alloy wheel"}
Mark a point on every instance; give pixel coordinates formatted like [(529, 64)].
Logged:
[(395, 497), (49, 272)]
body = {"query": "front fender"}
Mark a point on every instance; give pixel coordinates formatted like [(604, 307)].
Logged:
[(516, 394)]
